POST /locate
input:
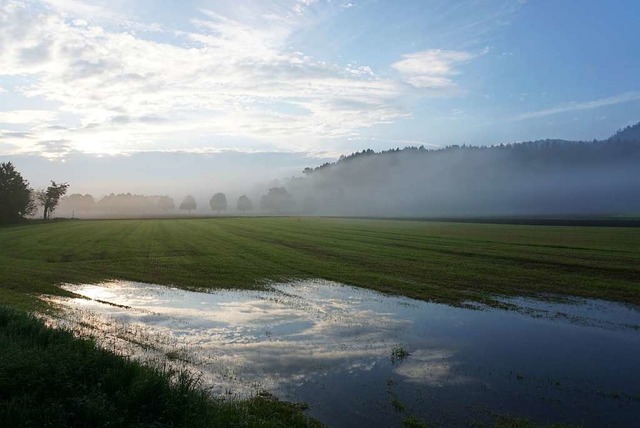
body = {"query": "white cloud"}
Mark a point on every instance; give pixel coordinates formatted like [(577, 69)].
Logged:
[(213, 82), (300, 5), (228, 75), (85, 9), (432, 69), (587, 105), (83, 12), (27, 117)]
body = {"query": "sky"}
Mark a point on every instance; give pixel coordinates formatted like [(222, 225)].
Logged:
[(311, 79)]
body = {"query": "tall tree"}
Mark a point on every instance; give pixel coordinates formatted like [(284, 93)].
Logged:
[(244, 204), (218, 202), (15, 195), (165, 203), (50, 197), (188, 204), (277, 200)]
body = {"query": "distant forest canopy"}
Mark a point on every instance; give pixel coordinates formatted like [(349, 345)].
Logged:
[(78, 205), (548, 177), (131, 205), (630, 134)]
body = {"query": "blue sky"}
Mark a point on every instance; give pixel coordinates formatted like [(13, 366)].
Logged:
[(317, 77)]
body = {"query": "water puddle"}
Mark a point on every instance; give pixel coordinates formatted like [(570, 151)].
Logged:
[(362, 358)]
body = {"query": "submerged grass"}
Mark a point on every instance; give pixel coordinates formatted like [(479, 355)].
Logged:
[(50, 378), (398, 354), (444, 262)]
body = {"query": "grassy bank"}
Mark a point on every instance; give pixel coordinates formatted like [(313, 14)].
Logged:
[(50, 378), (445, 262)]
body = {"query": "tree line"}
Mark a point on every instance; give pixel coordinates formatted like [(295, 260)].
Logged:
[(545, 177), (276, 200), (623, 142), (18, 200), (132, 204), (530, 178)]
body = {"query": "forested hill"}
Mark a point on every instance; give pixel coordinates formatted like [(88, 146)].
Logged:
[(548, 177), (630, 133)]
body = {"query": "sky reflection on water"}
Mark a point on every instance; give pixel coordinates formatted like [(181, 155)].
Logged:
[(330, 345)]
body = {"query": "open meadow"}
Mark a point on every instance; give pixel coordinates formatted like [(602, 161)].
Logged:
[(286, 316), (442, 262)]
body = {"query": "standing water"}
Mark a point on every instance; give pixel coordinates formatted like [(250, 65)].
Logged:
[(358, 357)]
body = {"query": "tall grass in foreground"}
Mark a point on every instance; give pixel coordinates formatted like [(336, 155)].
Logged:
[(50, 378)]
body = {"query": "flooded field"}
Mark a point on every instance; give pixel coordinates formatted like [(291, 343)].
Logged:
[(364, 358)]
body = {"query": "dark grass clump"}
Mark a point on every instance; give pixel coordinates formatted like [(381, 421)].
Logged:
[(50, 378), (399, 353)]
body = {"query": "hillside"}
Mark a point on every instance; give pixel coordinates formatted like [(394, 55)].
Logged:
[(548, 177), (630, 133)]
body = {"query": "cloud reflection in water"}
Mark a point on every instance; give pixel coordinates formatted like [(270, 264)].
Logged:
[(280, 336), (330, 345)]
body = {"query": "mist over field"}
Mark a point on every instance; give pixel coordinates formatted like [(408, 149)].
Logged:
[(172, 174), (541, 178), (141, 104)]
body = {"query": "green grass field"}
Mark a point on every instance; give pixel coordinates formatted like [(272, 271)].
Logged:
[(50, 377), (444, 262)]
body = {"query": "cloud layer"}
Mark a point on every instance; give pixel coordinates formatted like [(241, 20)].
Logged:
[(586, 105), (140, 86), (432, 69)]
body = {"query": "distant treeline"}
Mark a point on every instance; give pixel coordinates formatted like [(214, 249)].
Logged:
[(625, 141), (545, 177), (276, 200), (121, 204)]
